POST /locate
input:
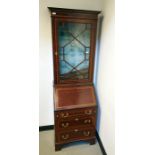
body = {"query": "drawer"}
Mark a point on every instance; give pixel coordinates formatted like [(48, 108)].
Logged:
[(76, 121), (76, 134), (75, 112)]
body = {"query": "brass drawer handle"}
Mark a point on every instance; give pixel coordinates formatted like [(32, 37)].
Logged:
[(65, 136), (87, 121), (88, 112), (64, 115), (86, 133), (76, 130), (76, 119), (65, 125)]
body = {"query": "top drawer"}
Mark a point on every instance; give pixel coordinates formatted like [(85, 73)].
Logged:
[(75, 112)]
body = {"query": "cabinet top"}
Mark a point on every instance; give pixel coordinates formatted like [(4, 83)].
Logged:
[(74, 12)]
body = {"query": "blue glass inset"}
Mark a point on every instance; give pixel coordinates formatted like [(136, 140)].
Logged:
[(75, 28), (85, 38), (74, 53), (74, 50), (64, 67), (64, 36), (83, 66), (87, 53), (88, 26), (61, 53)]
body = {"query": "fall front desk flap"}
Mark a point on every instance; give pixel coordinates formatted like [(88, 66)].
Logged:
[(74, 97)]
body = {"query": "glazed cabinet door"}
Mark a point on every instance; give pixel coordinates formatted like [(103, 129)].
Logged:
[(74, 47)]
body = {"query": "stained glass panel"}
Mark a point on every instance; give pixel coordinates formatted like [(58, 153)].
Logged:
[(74, 50)]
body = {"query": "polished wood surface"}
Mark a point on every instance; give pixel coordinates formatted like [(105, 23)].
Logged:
[(81, 117), (74, 13), (74, 125), (76, 134), (74, 97)]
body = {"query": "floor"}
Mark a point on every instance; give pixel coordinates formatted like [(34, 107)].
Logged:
[(46, 146)]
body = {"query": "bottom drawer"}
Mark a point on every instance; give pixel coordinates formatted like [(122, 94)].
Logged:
[(76, 134)]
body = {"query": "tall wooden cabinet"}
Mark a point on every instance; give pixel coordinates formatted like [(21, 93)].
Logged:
[(75, 108)]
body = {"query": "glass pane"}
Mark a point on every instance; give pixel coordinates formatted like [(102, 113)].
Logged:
[(74, 53), (85, 37), (76, 29), (74, 50), (64, 67), (64, 35), (61, 55), (87, 53)]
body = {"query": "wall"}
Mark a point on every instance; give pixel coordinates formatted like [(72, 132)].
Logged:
[(104, 66), (104, 80)]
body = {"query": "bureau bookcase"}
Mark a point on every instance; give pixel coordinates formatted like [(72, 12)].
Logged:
[(75, 108)]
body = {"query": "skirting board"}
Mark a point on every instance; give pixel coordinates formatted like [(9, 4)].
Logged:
[(50, 127), (100, 143), (44, 128)]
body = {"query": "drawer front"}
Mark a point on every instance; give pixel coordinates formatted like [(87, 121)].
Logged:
[(75, 112), (76, 121), (76, 134)]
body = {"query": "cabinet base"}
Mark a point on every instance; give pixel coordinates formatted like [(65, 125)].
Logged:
[(58, 147), (92, 141)]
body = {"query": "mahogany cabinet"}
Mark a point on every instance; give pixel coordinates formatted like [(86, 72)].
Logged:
[(75, 108)]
